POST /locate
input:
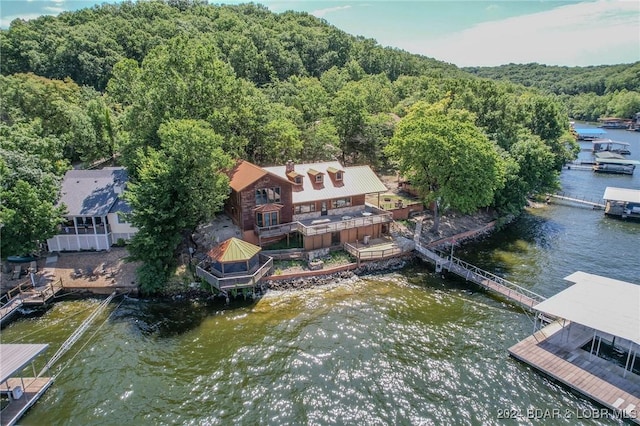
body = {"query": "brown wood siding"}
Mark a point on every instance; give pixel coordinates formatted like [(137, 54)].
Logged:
[(232, 208), (357, 200), (349, 235), (245, 202), (403, 213)]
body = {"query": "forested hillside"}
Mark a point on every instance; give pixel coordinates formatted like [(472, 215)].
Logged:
[(177, 91), (588, 92)]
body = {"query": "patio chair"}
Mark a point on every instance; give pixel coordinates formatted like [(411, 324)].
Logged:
[(89, 271), (17, 270), (77, 273)]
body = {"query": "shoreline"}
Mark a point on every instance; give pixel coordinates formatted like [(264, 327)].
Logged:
[(293, 281)]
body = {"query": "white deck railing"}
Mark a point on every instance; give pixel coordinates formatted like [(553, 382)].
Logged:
[(355, 222), (332, 224)]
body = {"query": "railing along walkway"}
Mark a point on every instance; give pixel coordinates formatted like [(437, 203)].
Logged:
[(572, 199), (487, 280)]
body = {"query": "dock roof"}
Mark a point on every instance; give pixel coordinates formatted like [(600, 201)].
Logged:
[(17, 356), (614, 158), (600, 303), (589, 132), (622, 194)]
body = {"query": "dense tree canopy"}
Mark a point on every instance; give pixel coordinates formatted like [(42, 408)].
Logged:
[(176, 90), (441, 151), (589, 93)]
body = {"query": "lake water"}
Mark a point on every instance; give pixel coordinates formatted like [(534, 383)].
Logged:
[(400, 348)]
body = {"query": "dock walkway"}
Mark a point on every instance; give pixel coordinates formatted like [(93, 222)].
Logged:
[(484, 279), (584, 201), (33, 388), (556, 352)]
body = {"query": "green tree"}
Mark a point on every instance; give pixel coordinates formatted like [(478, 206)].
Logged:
[(530, 171), (444, 155), (184, 79), (25, 219), (176, 187), (321, 142)]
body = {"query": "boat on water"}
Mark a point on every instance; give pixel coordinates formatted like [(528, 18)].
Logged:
[(601, 145), (611, 162)]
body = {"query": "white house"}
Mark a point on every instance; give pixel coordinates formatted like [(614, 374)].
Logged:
[(96, 213)]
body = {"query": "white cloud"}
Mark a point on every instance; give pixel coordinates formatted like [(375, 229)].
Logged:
[(52, 10), (6, 20), (321, 12), (605, 32)]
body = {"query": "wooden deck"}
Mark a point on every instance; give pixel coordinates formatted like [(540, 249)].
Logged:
[(33, 390), (379, 249), (26, 295), (556, 352)]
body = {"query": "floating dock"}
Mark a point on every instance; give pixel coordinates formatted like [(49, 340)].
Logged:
[(588, 134), (20, 392), (622, 202), (594, 313)]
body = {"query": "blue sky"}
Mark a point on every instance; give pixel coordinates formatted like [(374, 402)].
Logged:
[(463, 32)]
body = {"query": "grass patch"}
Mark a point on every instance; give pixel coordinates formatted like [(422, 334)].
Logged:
[(294, 242), (337, 258), (280, 265)]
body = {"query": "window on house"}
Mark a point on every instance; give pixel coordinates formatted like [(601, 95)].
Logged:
[(338, 175), (340, 202), (266, 219), (267, 195), (304, 208), (298, 180), (318, 178)]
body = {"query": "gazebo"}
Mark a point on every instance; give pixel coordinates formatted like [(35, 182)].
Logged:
[(234, 256), (234, 264)]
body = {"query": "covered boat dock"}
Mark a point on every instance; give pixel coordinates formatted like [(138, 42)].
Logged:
[(600, 145), (592, 345), (586, 134), (19, 393), (611, 162), (622, 202)]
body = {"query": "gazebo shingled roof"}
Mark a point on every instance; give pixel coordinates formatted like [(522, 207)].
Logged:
[(233, 250)]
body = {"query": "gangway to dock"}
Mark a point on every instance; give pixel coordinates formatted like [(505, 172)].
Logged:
[(595, 205), (513, 292)]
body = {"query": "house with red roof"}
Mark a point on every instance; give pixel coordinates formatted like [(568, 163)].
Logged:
[(322, 203)]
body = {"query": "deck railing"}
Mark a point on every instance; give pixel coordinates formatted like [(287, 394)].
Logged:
[(237, 281), (354, 222), (371, 254), (379, 216), (473, 273), (276, 230)]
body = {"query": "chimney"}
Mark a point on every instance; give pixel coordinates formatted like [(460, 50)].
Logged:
[(289, 166)]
